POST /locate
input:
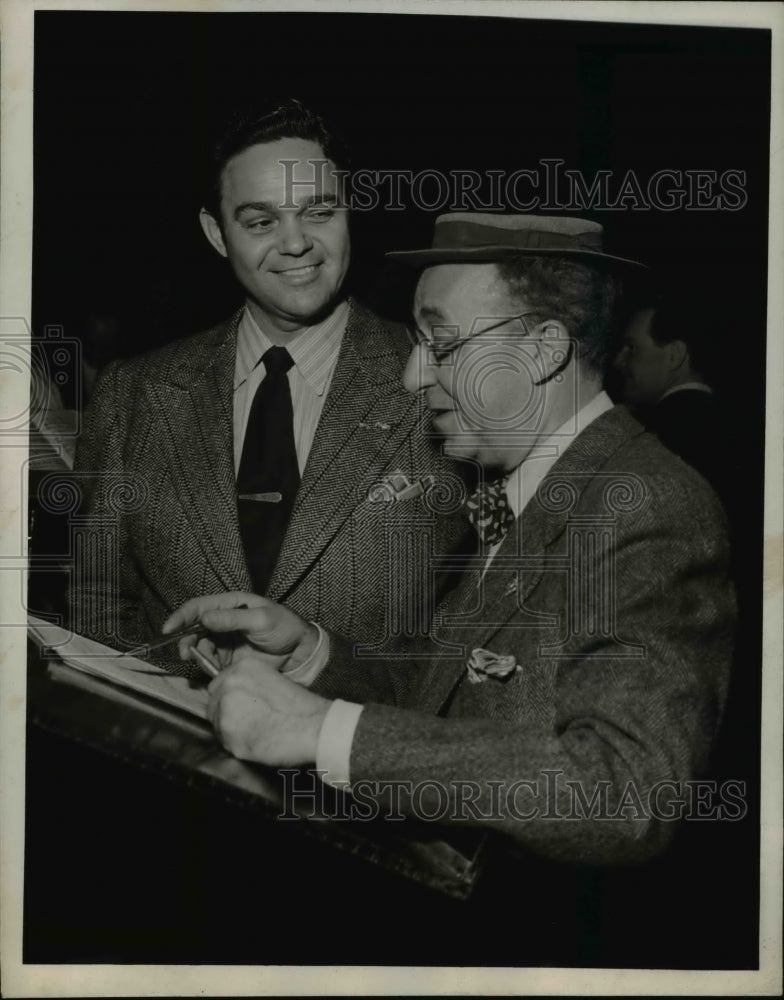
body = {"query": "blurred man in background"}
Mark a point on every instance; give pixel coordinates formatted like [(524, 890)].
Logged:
[(669, 353)]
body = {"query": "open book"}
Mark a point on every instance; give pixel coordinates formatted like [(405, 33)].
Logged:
[(102, 661)]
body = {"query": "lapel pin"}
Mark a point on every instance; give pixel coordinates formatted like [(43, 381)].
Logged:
[(378, 425)]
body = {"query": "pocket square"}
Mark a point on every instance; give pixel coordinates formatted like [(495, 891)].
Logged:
[(484, 663), (397, 486)]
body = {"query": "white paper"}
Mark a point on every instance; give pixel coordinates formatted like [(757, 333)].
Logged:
[(127, 671)]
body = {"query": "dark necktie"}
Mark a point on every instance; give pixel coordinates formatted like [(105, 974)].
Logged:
[(489, 511), (269, 475)]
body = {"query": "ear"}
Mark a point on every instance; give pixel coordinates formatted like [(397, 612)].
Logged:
[(212, 231), (676, 355), (554, 349)]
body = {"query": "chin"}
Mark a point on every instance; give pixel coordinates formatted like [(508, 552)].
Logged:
[(464, 450), (314, 306), (458, 447)]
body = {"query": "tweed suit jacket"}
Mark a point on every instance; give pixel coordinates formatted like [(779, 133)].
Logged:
[(156, 467), (612, 595)]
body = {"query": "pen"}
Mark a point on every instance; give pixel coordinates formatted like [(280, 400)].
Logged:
[(204, 662), (195, 629)]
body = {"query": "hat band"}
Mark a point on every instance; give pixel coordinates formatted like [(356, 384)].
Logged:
[(454, 235)]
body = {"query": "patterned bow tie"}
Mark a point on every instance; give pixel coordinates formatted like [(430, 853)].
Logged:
[(489, 511)]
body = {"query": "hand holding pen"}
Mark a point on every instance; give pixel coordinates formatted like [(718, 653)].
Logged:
[(235, 621), (195, 633)]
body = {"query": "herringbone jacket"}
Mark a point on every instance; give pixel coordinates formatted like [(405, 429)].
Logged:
[(612, 599), (155, 465)]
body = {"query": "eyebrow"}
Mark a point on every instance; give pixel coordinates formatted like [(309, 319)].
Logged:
[(432, 314), (272, 207)]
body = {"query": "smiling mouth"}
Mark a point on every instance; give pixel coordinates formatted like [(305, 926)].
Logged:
[(294, 272)]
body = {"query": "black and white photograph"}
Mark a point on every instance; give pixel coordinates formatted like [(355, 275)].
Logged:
[(392, 526)]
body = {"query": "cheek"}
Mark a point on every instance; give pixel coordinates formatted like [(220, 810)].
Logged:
[(337, 245), (246, 253), (496, 393), (444, 377), (639, 367), (648, 369)]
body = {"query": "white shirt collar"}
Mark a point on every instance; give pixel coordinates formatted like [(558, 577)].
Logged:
[(523, 481), (314, 352), (699, 386)]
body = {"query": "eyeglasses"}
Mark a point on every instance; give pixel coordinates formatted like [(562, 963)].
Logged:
[(440, 351)]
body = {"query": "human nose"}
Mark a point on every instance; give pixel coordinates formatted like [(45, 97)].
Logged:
[(293, 237), (418, 373)]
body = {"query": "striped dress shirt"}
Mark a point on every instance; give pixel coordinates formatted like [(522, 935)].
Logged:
[(314, 353)]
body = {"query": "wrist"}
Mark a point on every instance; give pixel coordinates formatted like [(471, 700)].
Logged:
[(308, 647)]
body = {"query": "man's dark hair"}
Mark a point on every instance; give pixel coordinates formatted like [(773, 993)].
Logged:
[(684, 307), (680, 315), (580, 295), (266, 121)]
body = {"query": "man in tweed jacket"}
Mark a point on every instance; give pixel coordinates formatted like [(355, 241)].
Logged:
[(163, 436), (585, 654)]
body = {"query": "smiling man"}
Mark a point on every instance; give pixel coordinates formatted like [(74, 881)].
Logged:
[(585, 654), (245, 457), (281, 222)]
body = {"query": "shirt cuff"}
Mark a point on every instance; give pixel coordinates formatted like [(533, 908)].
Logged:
[(308, 671), (333, 753)]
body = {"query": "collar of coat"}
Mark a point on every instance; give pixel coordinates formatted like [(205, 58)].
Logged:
[(375, 346)]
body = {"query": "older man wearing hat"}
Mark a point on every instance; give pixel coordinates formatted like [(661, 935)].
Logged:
[(580, 668)]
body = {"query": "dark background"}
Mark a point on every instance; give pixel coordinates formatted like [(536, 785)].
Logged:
[(124, 103), (123, 107)]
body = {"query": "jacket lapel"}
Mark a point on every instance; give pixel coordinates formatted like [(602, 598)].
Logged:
[(366, 417), (196, 408), (472, 615)]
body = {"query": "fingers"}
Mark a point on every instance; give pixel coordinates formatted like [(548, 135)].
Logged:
[(249, 663), (224, 655), (232, 687), (271, 627), (191, 612), (274, 661), (206, 646), (258, 715), (253, 621)]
